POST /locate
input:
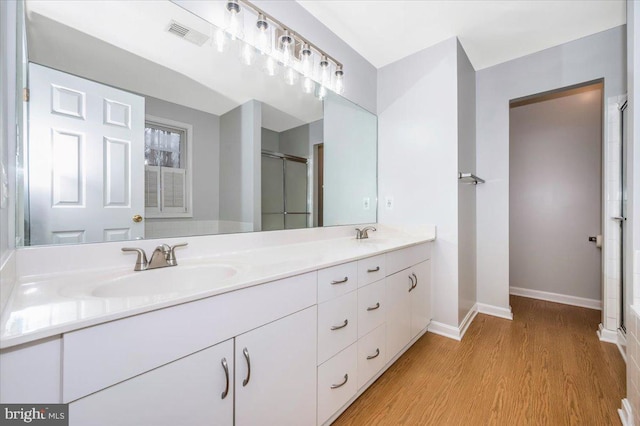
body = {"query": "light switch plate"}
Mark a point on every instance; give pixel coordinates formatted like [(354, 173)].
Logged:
[(388, 202)]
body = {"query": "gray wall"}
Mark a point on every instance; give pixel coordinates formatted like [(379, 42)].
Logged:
[(360, 77), (240, 164), (205, 155), (418, 158), (555, 158), (466, 193), (270, 140), (295, 141), (597, 56), (633, 150)]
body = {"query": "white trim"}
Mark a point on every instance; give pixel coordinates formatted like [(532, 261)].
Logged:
[(606, 335), (445, 330), (468, 319), (557, 298), (456, 333), (621, 343), (626, 413), (496, 311)]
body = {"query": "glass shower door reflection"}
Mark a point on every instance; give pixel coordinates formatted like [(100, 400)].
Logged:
[(272, 193), (284, 192)]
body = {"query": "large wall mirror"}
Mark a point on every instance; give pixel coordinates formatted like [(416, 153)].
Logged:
[(134, 131)]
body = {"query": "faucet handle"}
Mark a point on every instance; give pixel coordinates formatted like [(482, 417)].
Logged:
[(141, 261), (171, 258)]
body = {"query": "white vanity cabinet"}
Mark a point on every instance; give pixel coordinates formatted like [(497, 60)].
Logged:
[(408, 295), (274, 383), (194, 390), (275, 376)]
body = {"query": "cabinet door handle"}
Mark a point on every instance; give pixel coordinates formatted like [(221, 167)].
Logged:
[(376, 269), (373, 308), (340, 281), (376, 355), (338, 327), (225, 367), (339, 385), (245, 352), (413, 285), (414, 276)]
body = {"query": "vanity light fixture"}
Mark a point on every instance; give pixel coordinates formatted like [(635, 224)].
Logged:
[(234, 21), (263, 34), (294, 52), (339, 82)]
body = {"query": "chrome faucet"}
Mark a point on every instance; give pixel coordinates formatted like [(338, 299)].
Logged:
[(361, 234), (163, 256)]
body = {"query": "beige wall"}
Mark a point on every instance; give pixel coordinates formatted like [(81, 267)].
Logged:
[(555, 175)]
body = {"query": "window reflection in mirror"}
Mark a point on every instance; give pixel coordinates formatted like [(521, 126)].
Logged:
[(136, 133)]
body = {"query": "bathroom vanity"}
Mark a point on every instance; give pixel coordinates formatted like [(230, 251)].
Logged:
[(291, 337)]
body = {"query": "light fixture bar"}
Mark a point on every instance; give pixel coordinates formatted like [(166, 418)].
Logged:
[(284, 27)]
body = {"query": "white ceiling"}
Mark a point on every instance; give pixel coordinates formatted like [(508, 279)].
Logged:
[(491, 32)]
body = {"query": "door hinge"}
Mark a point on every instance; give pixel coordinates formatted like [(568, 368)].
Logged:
[(25, 94)]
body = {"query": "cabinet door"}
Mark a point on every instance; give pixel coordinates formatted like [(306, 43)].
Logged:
[(188, 391), (276, 374), (398, 316), (421, 298)]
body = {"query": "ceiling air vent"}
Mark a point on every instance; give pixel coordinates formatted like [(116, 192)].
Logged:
[(187, 33)]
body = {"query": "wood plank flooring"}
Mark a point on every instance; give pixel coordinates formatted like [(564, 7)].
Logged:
[(546, 367)]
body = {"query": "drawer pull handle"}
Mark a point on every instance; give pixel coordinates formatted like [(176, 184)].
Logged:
[(373, 308), (245, 352), (225, 367), (338, 327), (340, 281), (376, 355), (376, 269), (346, 379), (413, 285), (414, 276)]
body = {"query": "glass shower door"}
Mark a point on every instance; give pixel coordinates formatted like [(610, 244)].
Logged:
[(272, 193), (284, 192), (295, 185)]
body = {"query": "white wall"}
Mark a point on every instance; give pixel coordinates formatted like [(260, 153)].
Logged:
[(359, 75), (466, 193), (418, 158), (555, 196), (240, 166), (597, 56), (205, 155)]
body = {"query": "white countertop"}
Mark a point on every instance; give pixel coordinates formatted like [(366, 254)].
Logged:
[(41, 306)]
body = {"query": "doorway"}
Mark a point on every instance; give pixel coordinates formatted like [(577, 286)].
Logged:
[(555, 196)]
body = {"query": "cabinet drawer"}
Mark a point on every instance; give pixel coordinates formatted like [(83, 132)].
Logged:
[(371, 307), (372, 355), (337, 280), (337, 382), (371, 270), (402, 259), (100, 356), (337, 325)]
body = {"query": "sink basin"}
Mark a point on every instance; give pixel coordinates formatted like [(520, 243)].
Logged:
[(165, 281), (156, 283)]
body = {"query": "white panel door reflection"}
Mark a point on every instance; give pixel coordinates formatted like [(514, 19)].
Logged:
[(86, 157)]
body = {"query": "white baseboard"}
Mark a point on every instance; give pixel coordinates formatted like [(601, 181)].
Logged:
[(606, 335), (456, 333), (621, 343), (445, 330), (495, 311), (557, 298), (625, 413), (468, 319)]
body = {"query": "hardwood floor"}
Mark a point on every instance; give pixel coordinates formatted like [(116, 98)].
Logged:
[(546, 367)]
